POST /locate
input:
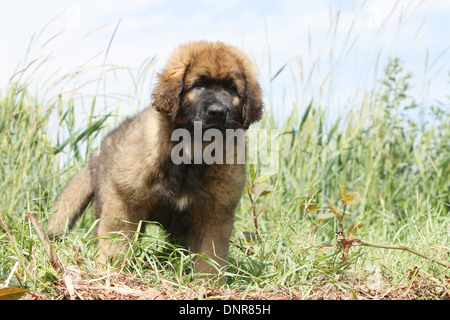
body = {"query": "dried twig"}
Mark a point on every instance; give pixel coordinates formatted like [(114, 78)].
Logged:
[(347, 243)]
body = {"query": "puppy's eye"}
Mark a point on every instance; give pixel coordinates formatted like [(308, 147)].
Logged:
[(198, 84), (232, 87)]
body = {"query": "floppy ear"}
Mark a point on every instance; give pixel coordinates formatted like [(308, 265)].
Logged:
[(253, 106), (167, 93)]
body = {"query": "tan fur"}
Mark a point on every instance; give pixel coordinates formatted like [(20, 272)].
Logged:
[(130, 175)]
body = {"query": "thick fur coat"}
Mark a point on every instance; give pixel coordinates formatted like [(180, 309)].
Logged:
[(131, 176)]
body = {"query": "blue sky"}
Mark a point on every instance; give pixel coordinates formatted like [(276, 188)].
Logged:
[(341, 41)]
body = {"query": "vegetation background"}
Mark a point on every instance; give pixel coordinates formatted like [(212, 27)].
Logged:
[(387, 146)]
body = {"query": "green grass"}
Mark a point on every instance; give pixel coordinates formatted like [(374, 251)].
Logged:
[(396, 161)]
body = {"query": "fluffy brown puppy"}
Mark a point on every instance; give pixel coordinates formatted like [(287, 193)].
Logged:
[(132, 177)]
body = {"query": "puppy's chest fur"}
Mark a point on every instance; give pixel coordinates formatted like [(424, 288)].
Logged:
[(183, 195), (177, 184), (175, 191)]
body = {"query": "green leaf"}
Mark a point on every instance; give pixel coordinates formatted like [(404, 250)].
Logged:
[(309, 205), (355, 226), (252, 172), (351, 198), (324, 216), (264, 177), (334, 209), (305, 115), (279, 71), (262, 189), (81, 135), (342, 189)]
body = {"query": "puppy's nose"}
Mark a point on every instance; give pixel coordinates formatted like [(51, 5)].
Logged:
[(217, 112)]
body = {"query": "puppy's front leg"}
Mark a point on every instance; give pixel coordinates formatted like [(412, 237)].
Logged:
[(117, 225), (213, 241)]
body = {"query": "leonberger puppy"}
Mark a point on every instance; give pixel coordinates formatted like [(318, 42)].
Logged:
[(131, 176)]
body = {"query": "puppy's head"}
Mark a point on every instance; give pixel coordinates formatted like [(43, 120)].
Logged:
[(209, 82)]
